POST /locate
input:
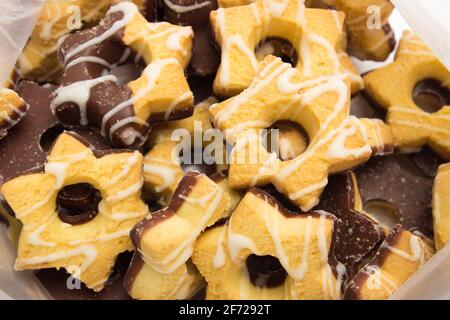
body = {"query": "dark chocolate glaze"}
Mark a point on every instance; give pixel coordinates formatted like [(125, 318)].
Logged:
[(151, 10), (352, 291), (356, 235), (134, 268), (265, 271), (22, 150), (430, 95), (391, 41), (396, 180), (107, 94), (78, 203), (55, 283), (205, 56), (184, 188), (427, 161)]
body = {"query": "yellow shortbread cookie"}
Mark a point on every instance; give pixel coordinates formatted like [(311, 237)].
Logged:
[(162, 167), (369, 35), (123, 113), (261, 226), (164, 243), (399, 257), (321, 106), (441, 206), (238, 31), (87, 248), (393, 86), (12, 109), (57, 19)]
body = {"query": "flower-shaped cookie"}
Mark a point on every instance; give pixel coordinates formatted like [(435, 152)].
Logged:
[(367, 40), (441, 206), (399, 257), (123, 113), (321, 106), (57, 19), (316, 35), (160, 269), (396, 88), (79, 211), (162, 167), (238, 259), (12, 109)]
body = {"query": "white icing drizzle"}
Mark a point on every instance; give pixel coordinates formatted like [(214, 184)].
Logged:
[(377, 280), (88, 251), (103, 237), (266, 167), (237, 242), (272, 227), (123, 194), (186, 8), (34, 238), (151, 73), (174, 40), (92, 59), (128, 9), (234, 104), (220, 256), (415, 247), (310, 189), (79, 93), (337, 148), (129, 164), (130, 135), (175, 103), (228, 42), (184, 250), (167, 174)]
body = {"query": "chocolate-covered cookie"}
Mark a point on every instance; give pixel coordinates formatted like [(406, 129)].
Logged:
[(25, 147), (356, 235), (397, 182), (205, 56)]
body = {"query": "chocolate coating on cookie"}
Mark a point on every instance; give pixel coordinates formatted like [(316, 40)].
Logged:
[(90, 64), (397, 181), (21, 151), (205, 56), (55, 282), (185, 186), (356, 235), (78, 203)]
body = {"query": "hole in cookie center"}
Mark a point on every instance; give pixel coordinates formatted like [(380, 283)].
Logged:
[(430, 95), (78, 203), (383, 211), (49, 136), (265, 271), (287, 139), (195, 161), (126, 73), (278, 47)]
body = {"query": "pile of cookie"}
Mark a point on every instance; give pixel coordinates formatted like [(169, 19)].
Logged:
[(353, 202)]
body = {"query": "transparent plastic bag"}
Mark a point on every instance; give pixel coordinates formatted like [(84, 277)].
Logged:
[(17, 20)]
